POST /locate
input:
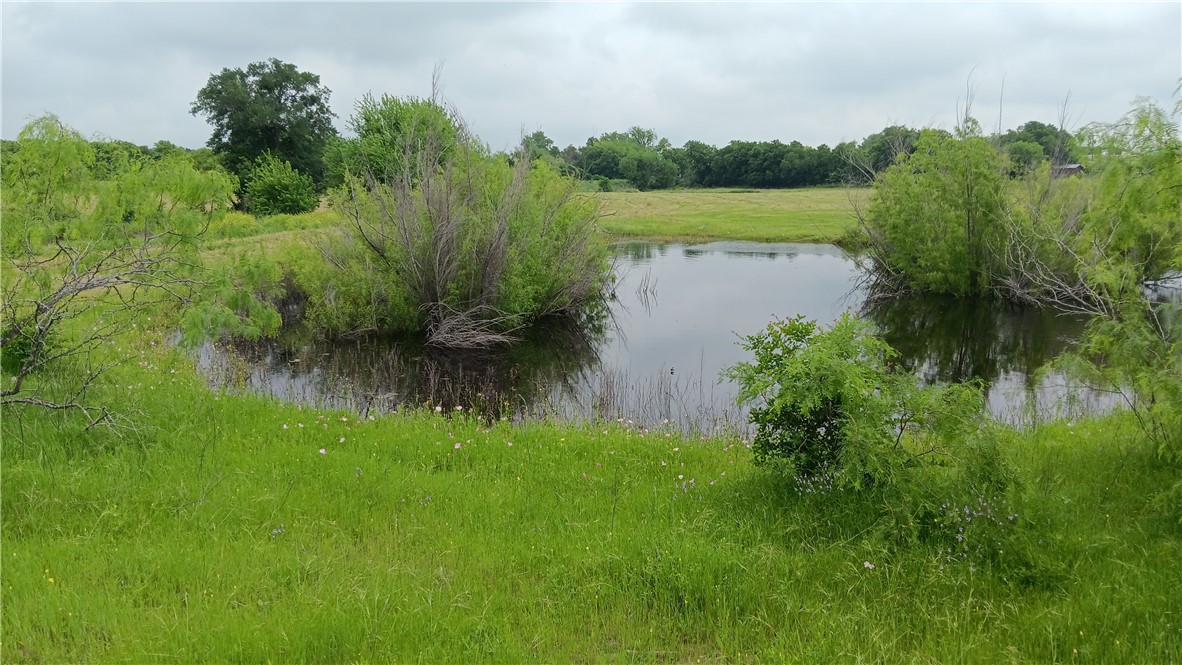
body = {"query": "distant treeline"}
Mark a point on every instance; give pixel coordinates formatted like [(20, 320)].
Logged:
[(648, 162), (273, 127)]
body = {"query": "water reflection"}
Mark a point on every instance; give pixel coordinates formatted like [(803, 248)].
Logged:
[(949, 339), (380, 374), (656, 353)]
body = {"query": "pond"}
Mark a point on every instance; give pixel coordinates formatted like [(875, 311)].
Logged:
[(655, 355)]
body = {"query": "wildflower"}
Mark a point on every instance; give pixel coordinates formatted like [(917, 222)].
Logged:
[(509, 443), (680, 476), (664, 463), (867, 565), (459, 408), (284, 425), (344, 419), (676, 449), (342, 440), (323, 451), (457, 446), (439, 409), (300, 425)]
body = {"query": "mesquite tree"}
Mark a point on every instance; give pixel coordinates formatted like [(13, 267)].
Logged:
[(82, 258)]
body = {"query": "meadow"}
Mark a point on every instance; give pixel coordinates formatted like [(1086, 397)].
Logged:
[(683, 215), (227, 528), (771, 215), (214, 526)]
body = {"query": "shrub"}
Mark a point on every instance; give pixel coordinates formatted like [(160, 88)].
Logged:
[(831, 416), (274, 188), (85, 256), (825, 400), (935, 215), (448, 240)]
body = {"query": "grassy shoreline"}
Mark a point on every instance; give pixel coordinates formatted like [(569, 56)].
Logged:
[(233, 528), (226, 527)]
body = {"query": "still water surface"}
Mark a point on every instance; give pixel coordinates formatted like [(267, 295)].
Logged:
[(657, 355)]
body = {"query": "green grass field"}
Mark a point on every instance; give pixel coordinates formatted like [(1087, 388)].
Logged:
[(216, 527), (785, 215), (774, 215), (227, 528)]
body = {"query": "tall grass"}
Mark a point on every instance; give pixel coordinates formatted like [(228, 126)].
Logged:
[(234, 528)]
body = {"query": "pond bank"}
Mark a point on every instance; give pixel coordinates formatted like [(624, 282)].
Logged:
[(656, 353), (432, 536)]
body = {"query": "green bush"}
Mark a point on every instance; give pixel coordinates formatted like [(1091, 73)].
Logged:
[(935, 216), (349, 290), (831, 416), (949, 219), (445, 239), (824, 406), (274, 188)]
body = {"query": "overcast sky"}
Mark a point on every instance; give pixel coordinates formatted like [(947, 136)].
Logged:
[(714, 72)]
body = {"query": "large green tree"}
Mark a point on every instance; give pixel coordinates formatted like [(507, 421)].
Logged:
[(270, 106), (1056, 143)]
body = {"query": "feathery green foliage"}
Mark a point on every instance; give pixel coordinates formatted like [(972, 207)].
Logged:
[(274, 188)]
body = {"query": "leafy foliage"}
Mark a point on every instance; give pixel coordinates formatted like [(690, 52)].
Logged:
[(384, 126), (947, 219), (630, 156), (275, 188), (936, 213), (1024, 156), (269, 107), (832, 417), (1055, 143), (827, 401), (1131, 357), (239, 300), (448, 240), (44, 179), (88, 249)]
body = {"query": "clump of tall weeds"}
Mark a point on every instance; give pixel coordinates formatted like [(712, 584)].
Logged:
[(446, 239)]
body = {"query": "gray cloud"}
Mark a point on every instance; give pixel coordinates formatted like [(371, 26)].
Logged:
[(817, 73)]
